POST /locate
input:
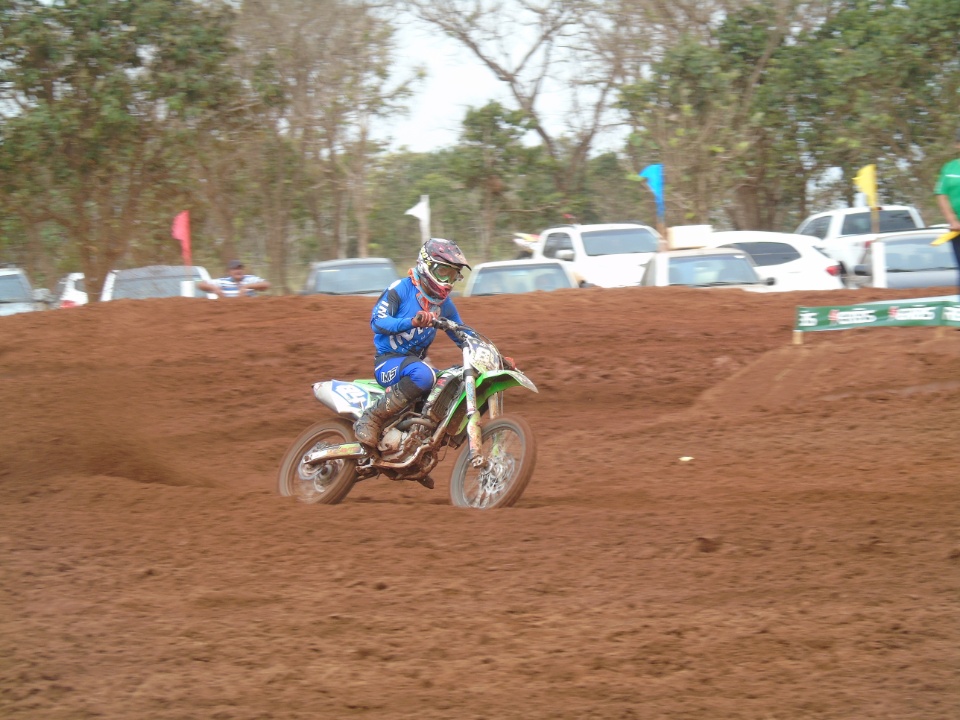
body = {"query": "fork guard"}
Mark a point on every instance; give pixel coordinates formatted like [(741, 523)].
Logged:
[(489, 384)]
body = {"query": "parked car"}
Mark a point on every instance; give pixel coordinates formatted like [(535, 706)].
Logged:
[(519, 276), (844, 232), (154, 281), (71, 291), (607, 255), (350, 276), (797, 262), (705, 268), (908, 260), (17, 295)]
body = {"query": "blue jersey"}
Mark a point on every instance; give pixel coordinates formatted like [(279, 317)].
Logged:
[(391, 320)]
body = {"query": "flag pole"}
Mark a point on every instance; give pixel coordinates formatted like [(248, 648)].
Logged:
[(181, 231), (653, 174), (866, 182), (421, 211)]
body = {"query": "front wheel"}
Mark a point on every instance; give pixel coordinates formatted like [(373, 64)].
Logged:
[(510, 454), (327, 483)]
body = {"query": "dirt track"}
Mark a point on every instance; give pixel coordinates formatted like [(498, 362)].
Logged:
[(805, 563)]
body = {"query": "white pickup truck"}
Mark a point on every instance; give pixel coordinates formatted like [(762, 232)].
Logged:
[(845, 232), (606, 255)]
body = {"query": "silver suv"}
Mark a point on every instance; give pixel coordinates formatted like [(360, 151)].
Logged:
[(16, 293)]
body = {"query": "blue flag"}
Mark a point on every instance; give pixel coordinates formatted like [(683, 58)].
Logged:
[(653, 174)]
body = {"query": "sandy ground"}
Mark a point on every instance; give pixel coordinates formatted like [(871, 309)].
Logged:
[(804, 564)]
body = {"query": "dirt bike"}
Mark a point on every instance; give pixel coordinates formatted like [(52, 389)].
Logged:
[(492, 470)]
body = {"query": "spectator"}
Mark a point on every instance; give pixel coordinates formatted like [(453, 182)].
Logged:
[(235, 283), (947, 191)]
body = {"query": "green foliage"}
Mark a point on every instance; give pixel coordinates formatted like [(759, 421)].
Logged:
[(491, 147), (103, 99), (744, 122), (116, 114)]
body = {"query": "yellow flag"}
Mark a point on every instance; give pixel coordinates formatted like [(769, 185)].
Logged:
[(866, 181), (946, 237)]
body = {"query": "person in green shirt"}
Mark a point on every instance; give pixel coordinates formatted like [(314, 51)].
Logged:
[(947, 191)]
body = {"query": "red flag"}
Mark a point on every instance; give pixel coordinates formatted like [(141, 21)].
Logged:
[(181, 232)]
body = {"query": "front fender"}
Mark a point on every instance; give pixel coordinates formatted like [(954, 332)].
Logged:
[(488, 384)]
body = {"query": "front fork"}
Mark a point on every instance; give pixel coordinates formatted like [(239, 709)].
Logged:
[(494, 407), (473, 418)]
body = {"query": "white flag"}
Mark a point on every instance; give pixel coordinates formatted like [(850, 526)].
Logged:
[(421, 211)]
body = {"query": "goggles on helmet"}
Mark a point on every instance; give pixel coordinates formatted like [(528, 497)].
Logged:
[(445, 273)]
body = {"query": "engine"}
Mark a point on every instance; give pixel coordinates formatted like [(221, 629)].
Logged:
[(403, 438), (393, 440)]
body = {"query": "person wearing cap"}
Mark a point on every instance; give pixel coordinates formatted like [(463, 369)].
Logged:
[(236, 283), (947, 191)]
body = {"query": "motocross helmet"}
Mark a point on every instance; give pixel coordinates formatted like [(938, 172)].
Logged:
[(438, 268)]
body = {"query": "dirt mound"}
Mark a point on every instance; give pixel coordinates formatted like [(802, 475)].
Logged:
[(835, 368), (801, 561)]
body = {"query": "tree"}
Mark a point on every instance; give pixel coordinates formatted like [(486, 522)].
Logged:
[(489, 157), (530, 46), (323, 68), (100, 102), (711, 109), (885, 81)]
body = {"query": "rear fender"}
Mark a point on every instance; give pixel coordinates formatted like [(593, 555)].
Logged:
[(348, 398), (487, 384)]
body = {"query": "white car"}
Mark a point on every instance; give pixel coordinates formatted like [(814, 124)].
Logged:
[(705, 268), (607, 254), (908, 260), (71, 291), (845, 232), (797, 262), (519, 276), (154, 281)]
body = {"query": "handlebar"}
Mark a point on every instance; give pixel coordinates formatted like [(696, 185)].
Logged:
[(461, 331), (442, 323), (464, 332)]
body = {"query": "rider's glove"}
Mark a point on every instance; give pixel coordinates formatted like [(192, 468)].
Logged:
[(509, 363), (423, 318)]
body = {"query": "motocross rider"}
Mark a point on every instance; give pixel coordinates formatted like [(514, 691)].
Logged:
[(403, 332)]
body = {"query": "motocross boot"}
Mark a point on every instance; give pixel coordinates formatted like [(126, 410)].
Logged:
[(367, 428)]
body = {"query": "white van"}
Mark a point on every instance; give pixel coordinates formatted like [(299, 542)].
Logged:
[(155, 281)]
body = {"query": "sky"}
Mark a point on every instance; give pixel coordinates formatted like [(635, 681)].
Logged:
[(455, 81)]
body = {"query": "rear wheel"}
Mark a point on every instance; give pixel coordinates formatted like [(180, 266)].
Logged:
[(510, 454), (327, 483)]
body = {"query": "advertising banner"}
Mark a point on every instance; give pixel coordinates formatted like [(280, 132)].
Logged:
[(904, 313)]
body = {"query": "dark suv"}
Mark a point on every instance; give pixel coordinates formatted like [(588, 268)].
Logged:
[(351, 276)]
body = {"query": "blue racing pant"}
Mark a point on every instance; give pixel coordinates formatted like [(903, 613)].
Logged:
[(388, 371)]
